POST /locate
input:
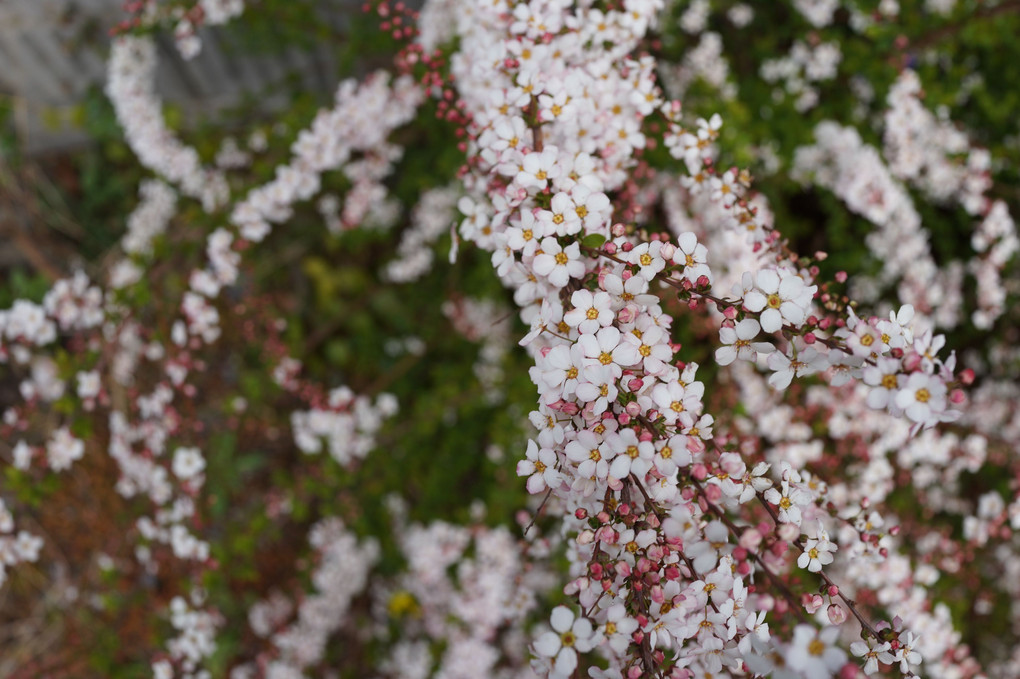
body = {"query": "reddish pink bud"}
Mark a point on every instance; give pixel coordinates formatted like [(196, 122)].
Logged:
[(603, 517), (633, 409), (833, 590), (657, 595), (967, 376), (609, 248), (581, 514), (623, 569), (623, 509), (596, 570), (713, 493), (618, 230), (627, 246), (624, 419), (812, 602), (743, 568), (739, 553), (635, 670), (699, 472), (957, 396), (809, 338)]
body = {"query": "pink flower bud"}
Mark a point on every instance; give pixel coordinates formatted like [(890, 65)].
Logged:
[(809, 338), (618, 230), (967, 376), (585, 537), (789, 532), (667, 251), (633, 409), (957, 396), (635, 384), (750, 539), (609, 248), (812, 603), (713, 493), (837, 616), (624, 419), (833, 590), (911, 362)]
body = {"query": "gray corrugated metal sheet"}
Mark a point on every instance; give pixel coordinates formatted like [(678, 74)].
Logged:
[(52, 51)]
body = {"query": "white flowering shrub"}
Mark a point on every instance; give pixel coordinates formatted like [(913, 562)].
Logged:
[(513, 360)]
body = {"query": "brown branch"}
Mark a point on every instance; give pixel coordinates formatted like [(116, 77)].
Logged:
[(932, 37)]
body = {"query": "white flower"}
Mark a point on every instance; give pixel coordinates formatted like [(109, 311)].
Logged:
[(558, 264), (692, 256), (905, 655), (923, 398), (618, 628), (540, 468), (63, 449), (188, 463), (807, 362), (789, 502), (591, 311), (538, 169), (647, 256), (885, 378), (737, 341), (569, 637), (607, 347), (814, 653), (869, 651), (674, 398), (817, 553), (631, 455), (780, 295)]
